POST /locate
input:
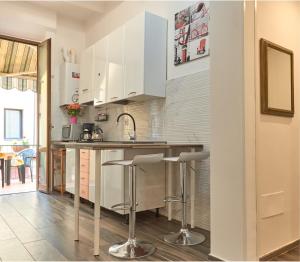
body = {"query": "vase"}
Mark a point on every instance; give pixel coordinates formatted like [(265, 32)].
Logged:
[(73, 120)]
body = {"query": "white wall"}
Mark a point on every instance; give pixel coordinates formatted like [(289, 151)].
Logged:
[(28, 21), (127, 9), (68, 34), (227, 179), (14, 99), (277, 145)]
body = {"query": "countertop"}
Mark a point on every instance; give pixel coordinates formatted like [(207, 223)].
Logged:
[(129, 145)]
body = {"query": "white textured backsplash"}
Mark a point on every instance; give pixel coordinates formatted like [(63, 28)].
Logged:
[(182, 117)]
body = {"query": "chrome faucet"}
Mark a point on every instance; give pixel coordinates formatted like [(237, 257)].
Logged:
[(131, 137)]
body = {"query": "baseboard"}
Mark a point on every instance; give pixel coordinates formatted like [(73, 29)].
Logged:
[(213, 258), (280, 251)]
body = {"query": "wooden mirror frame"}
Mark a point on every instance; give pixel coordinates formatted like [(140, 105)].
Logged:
[(265, 109)]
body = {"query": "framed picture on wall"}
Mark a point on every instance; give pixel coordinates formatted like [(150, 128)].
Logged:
[(276, 79), (191, 40)]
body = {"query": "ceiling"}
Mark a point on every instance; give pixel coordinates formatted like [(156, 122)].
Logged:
[(17, 60), (81, 11)]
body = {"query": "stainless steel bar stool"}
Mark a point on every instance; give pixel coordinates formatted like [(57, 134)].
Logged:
[(133, 248), (184, 236)]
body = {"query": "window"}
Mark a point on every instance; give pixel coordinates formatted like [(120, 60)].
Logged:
[(13, 123)]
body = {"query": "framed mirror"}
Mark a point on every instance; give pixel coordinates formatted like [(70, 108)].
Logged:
[(276, 79)]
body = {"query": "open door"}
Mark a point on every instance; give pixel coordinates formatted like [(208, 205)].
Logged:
[(43, 115)]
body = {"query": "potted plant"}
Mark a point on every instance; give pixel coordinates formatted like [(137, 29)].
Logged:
[(20, 145), (73, 111)]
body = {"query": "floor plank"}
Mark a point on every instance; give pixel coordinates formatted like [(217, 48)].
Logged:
[(5, 232), (13, 250), (24, 231), (291, 255), (43, 251)]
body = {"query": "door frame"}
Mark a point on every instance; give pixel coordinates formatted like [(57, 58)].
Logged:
[(48, 162), (48, 134)]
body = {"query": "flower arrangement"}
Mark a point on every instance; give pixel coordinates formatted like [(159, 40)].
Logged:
[(73, 110)]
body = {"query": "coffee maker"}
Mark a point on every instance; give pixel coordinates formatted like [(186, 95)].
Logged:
[(86, 135)]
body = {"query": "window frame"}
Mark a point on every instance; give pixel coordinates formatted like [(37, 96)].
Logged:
[(21, 123)]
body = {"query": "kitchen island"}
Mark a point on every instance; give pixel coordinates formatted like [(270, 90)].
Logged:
[(98, 147)]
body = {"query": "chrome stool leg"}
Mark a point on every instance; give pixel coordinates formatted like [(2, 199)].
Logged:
[(184, 236), (132, 248)]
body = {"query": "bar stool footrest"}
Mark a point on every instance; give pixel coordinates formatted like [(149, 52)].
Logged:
[(121, 206), (172, 199)]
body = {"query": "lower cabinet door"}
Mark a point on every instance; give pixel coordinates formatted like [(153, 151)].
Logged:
[(113, 179), (84, 191), (70, 170)]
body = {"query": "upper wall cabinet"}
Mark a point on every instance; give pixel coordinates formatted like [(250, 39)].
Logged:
[(100, 72), (86, 89), (145, 57), (115, 59), (128, 64)]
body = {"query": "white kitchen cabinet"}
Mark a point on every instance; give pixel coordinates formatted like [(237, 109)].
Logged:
[(70, 170), (115, 59), (128, 64), (100, 72), (113, 179), (68, 82), (150, 181), (86, 90), (145, 56), (92, 168)]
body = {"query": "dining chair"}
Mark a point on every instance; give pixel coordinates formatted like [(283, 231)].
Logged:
[(27, 155)]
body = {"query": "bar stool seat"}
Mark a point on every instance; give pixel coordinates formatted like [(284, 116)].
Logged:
[(184, 236), (133, 248), (118, 163)]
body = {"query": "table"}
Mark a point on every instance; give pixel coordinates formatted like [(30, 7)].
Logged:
[(97, 147), (6, 162), (7, 157), (2, 170)]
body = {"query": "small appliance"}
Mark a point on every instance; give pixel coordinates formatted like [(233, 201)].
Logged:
[(97, 135), (71, 132), (86, 135)]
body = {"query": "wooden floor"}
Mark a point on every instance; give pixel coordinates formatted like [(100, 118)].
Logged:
[(291, 255), (36, 226)]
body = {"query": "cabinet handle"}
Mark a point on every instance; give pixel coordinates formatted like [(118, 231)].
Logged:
[(84, 90), (113, 98), (131, 93), (99, 74)]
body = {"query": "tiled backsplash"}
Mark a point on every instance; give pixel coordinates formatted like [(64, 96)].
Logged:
[(182, 117)]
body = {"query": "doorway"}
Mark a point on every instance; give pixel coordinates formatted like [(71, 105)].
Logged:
[(25, 115)]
